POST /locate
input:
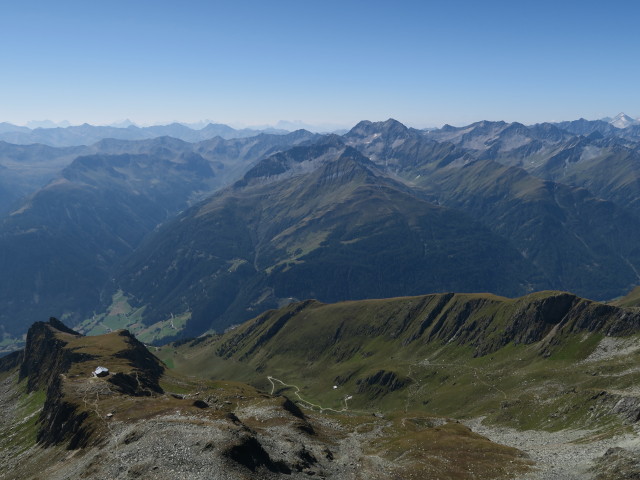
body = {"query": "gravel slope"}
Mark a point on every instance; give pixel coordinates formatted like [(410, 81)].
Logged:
[(563, 455)]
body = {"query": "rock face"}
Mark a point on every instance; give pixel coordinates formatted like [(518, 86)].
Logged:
[(629, 408), (249, 452), (52, 359), (147, 372), (11, 361), (45, 357), (617, 462), (45, 361), (381, 382)]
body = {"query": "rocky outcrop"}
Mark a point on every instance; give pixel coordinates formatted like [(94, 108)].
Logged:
[(490, 323), (143, 381), (251, 454), (381, 383), (45, 360), (628, 407), (11, 361), (62, 422), (45, 365), (45, 357), (617, 462)]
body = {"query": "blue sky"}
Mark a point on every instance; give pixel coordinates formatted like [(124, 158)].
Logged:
[(424, 63)]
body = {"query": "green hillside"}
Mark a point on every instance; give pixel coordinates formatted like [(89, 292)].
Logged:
[(138, 419), (632, 299), (549, 360)]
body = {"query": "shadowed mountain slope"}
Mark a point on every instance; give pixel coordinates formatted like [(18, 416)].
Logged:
[(61, 245), (321, 222), (580, 242), (56, 252)]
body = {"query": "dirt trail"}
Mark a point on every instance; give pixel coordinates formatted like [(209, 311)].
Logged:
[(307, 403)]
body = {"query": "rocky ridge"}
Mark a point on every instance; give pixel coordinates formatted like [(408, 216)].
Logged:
[(142, 421), (550, 373)]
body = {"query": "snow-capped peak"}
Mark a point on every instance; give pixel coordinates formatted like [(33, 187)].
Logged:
[(623, 120)]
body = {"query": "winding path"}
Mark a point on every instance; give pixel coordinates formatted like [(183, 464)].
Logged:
[(310, 405)]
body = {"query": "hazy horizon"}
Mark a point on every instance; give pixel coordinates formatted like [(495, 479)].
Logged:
[(280, 124), (250, 63)]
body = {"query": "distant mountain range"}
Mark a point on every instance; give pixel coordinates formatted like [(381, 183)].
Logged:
[(215, 230), (271, 257), (62, 134), (60, 246), (86, 134), (318, 221)]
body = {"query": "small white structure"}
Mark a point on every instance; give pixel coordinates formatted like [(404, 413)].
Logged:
[(101, 372)]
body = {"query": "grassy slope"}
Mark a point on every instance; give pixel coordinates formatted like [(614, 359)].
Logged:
[(19, 419), (397, 442), (631, 299), (120, 314), (459, 364)]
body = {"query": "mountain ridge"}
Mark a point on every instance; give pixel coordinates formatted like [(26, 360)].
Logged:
[(87, 134), (592, 252), (343, 215), (136, 418)]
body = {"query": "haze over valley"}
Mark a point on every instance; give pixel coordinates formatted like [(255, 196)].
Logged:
[(215, 232)]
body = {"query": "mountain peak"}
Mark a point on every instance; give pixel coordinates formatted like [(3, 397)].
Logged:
[(126, 123), (622, 120), (331, 140), (365, 128), (485, 124), (392, 123), (295, 160)]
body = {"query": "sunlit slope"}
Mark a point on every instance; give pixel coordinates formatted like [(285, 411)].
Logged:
[(541, 361), (140, 420)]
